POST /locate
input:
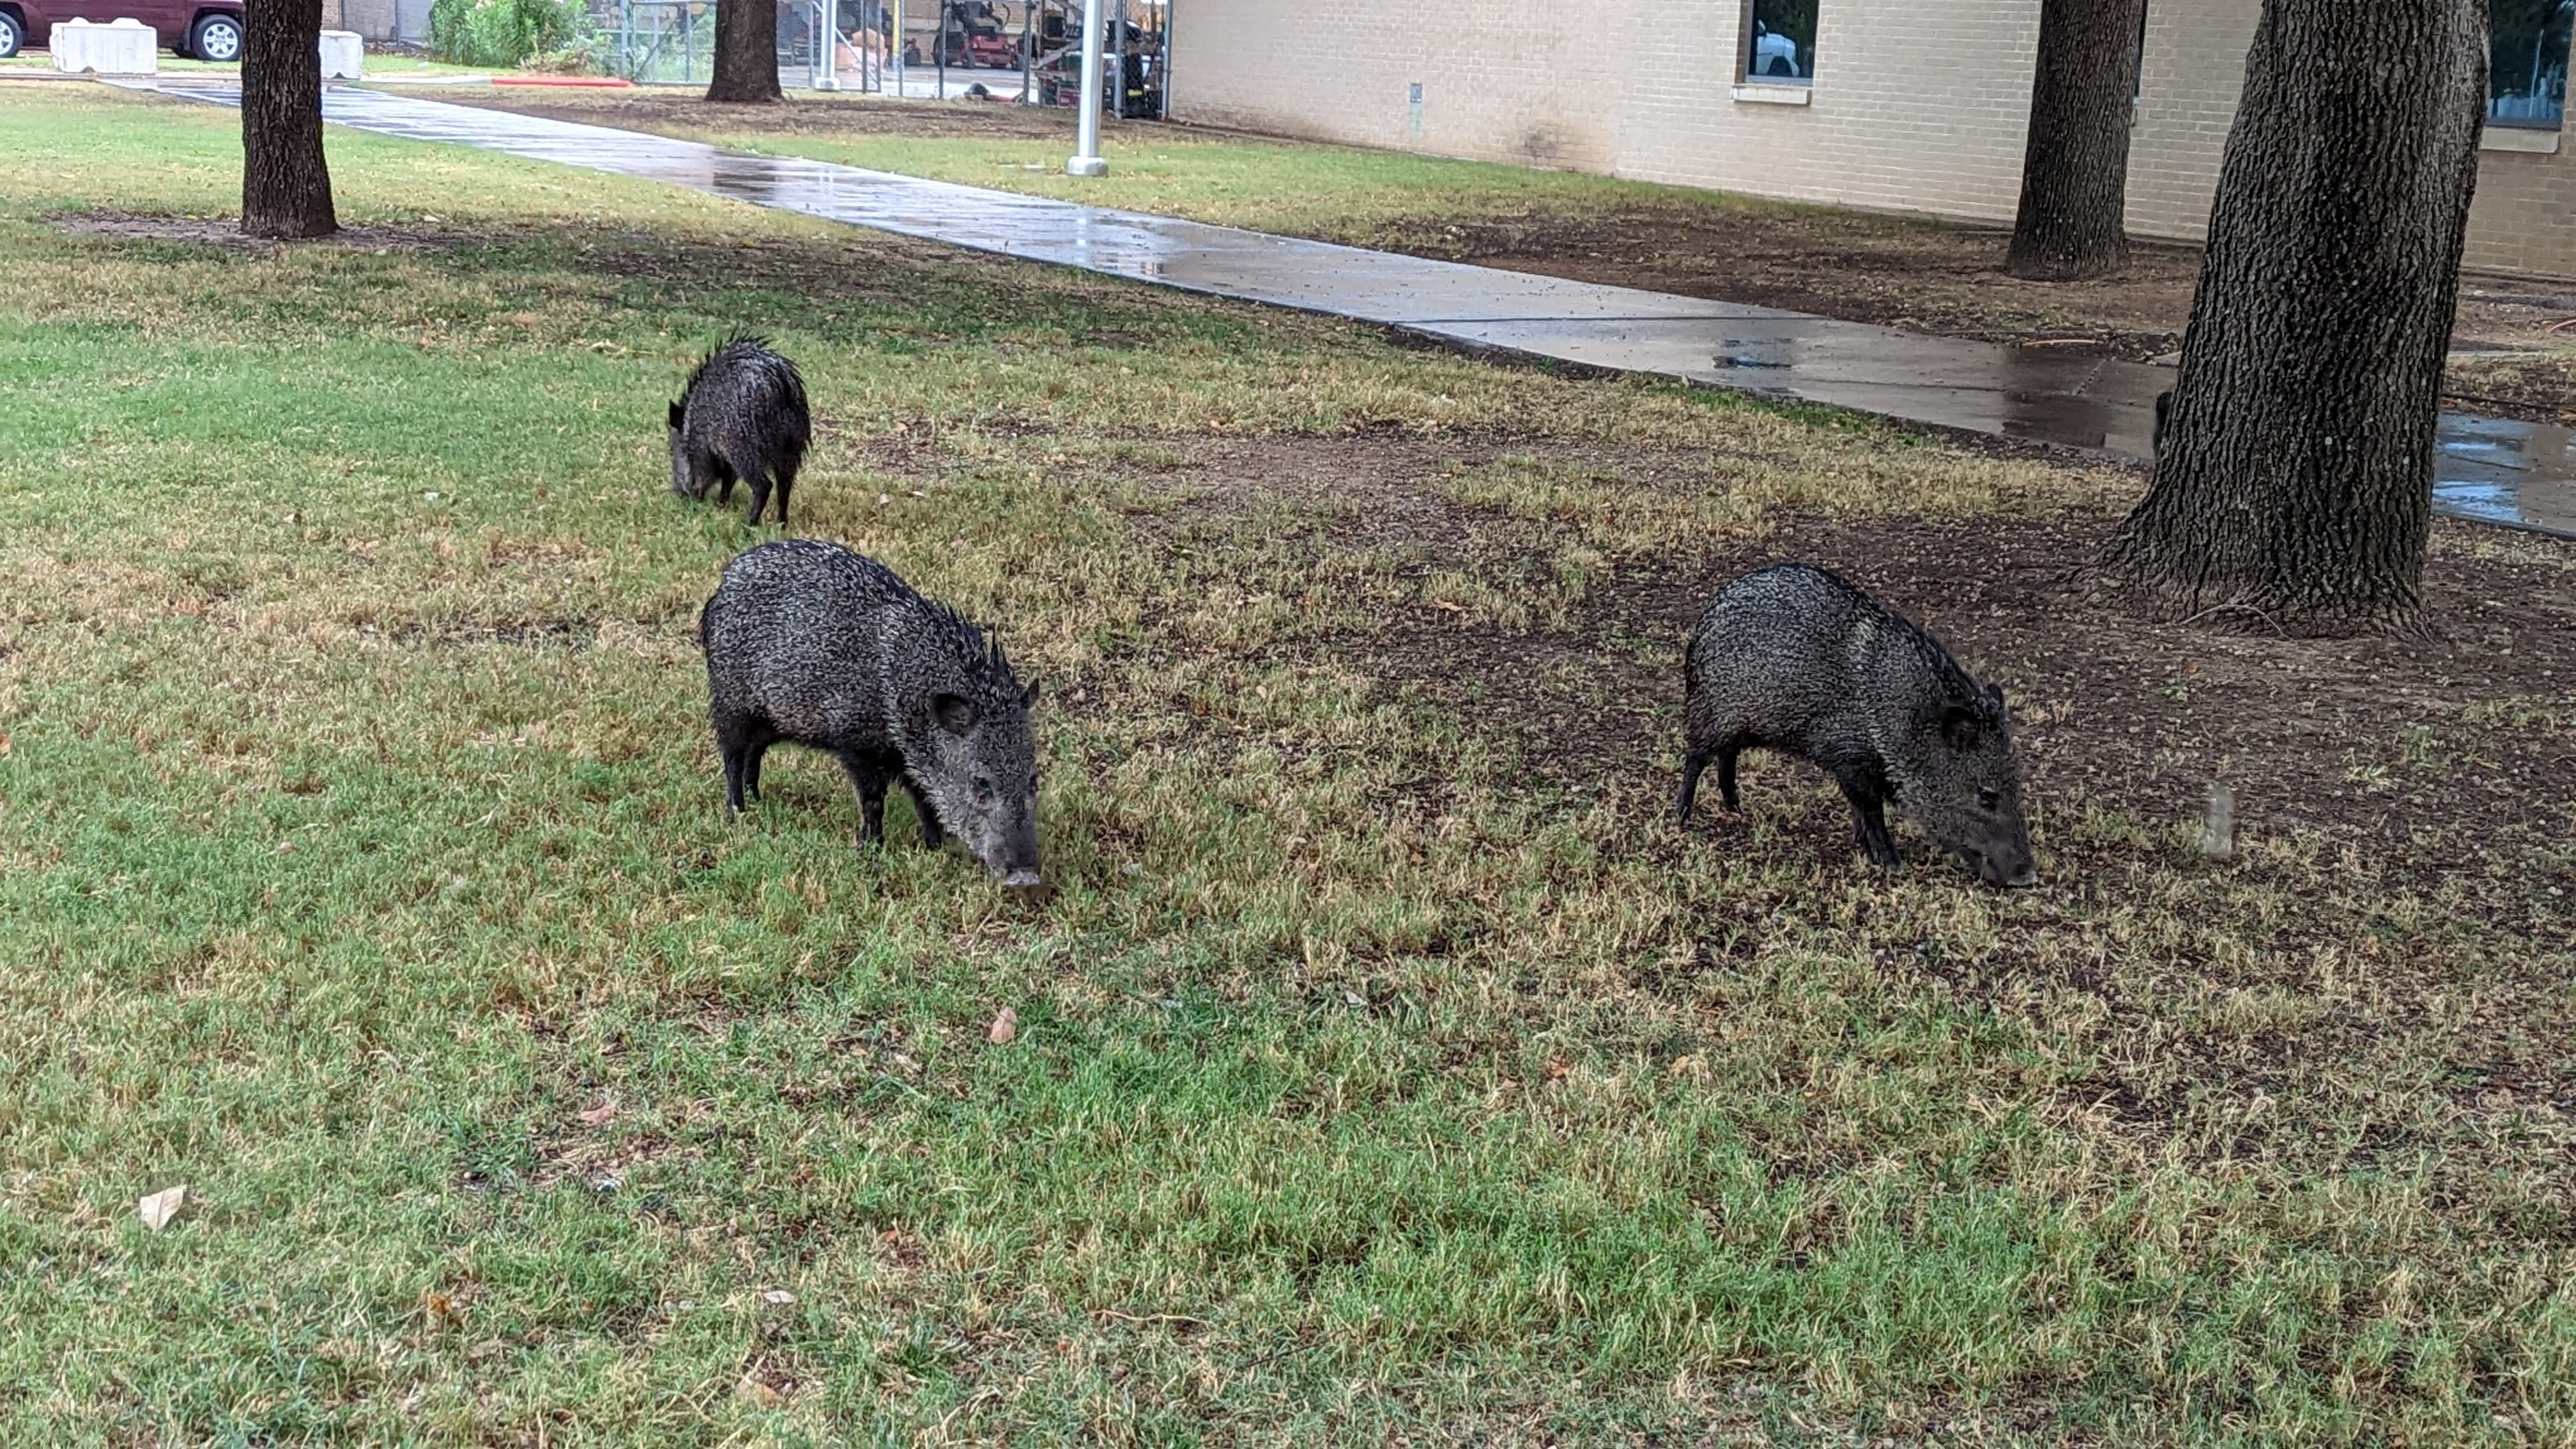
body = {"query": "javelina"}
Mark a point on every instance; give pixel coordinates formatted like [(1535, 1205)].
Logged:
[(813, 644), (1794, 659), (742, 416)]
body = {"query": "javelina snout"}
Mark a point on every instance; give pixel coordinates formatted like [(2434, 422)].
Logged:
[(1972, 790), (982, 781)]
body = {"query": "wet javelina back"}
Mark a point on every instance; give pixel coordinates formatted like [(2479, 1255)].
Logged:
[(813, 644), (742, 416), (1795, 659)]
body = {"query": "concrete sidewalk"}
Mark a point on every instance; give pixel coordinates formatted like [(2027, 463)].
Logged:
[(2498, 470)]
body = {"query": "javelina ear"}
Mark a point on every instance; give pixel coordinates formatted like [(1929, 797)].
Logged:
[(1029, 696), (1995, 692), (675, 415), (955, 715), (1959, 728)]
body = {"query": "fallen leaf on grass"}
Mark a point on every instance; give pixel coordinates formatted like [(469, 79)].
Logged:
[(600, 1115), (777, 1297), (4, 742), (440, 1310), (158, 1209), (752, 1391), (1006, 1028)]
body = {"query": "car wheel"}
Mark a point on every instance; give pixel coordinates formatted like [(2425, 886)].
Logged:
[(12, 35), (217, 38)]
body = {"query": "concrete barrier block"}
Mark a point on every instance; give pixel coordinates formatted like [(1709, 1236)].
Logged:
[(122, 47), (343, 53)]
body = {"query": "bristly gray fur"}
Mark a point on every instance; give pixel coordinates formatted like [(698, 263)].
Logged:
[(743, 417), (811, 643), (1795, 659)]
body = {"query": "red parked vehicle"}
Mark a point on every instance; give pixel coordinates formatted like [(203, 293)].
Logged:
[(198, 29)]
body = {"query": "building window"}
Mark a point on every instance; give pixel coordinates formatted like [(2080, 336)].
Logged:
[(1781, 48), (2527, 78)]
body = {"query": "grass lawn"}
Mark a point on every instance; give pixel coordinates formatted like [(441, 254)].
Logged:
[(1389, 1064)]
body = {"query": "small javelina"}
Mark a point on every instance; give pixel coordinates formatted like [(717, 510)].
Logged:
[(813, 644), (743, 417), (1795, 659)]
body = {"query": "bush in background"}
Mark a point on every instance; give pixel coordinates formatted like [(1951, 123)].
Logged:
[(553, 35)]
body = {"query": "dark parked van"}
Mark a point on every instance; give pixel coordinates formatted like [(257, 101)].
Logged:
[(199, 29)]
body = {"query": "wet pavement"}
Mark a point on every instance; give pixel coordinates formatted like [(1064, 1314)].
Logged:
[(2498, 470)]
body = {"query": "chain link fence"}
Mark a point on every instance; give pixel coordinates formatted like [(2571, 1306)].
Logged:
[(1028, 51)]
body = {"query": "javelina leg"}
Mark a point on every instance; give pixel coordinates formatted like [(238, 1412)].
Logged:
[(1723, 756), (931, 835), (740, 741), (869, 779), (759, 485), (1692, 764), (719, 471), (786, 483), (1869, 826)]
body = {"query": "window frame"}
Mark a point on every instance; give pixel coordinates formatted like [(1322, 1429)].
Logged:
[(2495, 122), (1744, 75)]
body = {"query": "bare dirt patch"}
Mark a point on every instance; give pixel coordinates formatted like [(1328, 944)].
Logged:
[(226, 232)]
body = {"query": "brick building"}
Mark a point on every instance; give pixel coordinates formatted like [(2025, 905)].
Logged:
[(1853, 102)]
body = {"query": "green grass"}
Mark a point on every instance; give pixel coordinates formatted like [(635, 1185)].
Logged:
[(362, 867)]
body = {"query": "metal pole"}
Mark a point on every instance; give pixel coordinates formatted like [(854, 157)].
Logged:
[(1028, 38), (831, 78), (939, 49), (894, 48), (1086, 152)]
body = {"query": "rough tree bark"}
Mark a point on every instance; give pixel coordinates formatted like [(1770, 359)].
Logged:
[(2296, 478), (746, 51), (286, 188), (2075, 168)]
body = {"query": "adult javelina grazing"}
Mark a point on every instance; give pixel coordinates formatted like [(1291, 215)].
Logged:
[(1794, 659), (811, 643), (742, 416)]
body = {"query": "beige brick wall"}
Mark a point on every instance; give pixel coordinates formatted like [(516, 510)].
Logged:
[(1925, 115), (1914, 108)]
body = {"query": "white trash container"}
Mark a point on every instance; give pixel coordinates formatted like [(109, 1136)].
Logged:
[(122, 47), (343, 53)]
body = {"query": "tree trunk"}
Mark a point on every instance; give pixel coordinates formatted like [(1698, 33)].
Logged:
[(2297, 475), (2075, 168), (286, 188), (746, 51)]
